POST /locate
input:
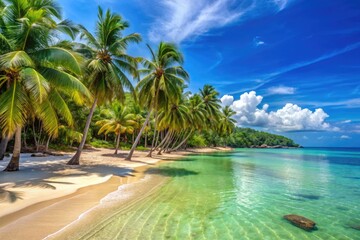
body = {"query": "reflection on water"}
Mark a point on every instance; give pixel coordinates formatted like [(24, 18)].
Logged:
[(244, 195)]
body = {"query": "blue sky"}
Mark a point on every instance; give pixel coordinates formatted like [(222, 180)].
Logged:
[(286, 66)]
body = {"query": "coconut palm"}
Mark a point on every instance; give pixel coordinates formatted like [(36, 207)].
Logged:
[(173, 118), (195, 121), (119, 121), (108, 64), (211, 103), (163, 78), (226, 121), (34, 73)]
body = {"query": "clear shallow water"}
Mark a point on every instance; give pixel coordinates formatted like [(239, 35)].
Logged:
[(244, 195)]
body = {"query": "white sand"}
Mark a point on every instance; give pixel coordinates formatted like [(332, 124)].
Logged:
[(46, 188)]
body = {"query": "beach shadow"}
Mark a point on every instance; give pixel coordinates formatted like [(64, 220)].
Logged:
[(171, 172), (8, 195), (119, 155)]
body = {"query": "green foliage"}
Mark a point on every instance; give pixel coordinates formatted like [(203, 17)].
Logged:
[(102, 144), (197, 140), (247, 137)]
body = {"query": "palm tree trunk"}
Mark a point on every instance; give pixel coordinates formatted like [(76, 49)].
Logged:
[(169, 142), (155, 139), (163, 141), (146, 136), (182, 143), (3, 146), (129, 156), (47, 144), (15, 158), (117, 143), (166, 140), (174, 143), (75, 160), (154, 142)]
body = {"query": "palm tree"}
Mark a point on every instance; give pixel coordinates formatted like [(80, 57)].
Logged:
[(33, 72), (226, 122), (173, 118), (120, 122), (163, 78), (108, 64), (196, 117), (211, 105)]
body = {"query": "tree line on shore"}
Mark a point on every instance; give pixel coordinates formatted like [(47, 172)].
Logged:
[(88, 89)]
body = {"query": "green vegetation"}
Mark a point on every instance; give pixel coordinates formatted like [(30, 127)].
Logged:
[(241, 138), (62, 94)]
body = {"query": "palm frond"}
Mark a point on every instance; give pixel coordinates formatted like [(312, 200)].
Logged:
[(15, 59)]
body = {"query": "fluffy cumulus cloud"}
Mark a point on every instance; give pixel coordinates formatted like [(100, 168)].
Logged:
[(179, 20), (291, 117), (227, 100)]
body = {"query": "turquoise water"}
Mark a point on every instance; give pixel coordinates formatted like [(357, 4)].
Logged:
[(245, 194)]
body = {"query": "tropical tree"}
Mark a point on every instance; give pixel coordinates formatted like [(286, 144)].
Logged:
[(108, 64), (226, 121), (195, 121), (34, 73), (172, 118), (163, 79), (211, 104), (119, 121)]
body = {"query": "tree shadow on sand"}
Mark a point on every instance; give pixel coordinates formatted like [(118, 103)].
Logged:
[(9, 195), (171, 172)]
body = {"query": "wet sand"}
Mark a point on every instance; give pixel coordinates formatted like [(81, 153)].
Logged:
[(48, 198)]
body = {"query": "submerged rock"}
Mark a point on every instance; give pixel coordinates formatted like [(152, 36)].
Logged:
[(301, 222), (308, 196), (356, 227)]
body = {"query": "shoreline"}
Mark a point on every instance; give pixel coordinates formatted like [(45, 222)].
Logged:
[(86, 186)]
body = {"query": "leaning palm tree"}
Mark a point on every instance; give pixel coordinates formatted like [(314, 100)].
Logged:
[(119, 121), (108, 64), (195, 121), (163, 79), (173, 118), (34, 73)]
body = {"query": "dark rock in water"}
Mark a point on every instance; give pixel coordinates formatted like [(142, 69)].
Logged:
[(342, 208), (308, 196), (356, 227), (39, 155), (301, 222)]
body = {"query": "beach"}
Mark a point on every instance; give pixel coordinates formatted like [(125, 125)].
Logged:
[(47, 195)]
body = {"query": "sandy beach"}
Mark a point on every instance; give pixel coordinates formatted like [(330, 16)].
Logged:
[(46, 195)]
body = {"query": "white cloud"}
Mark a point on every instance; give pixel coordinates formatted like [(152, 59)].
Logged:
[(345, 137), (258, 42), (289, 118), (282, 90), (346, 121), (227, 100), (178, 20)]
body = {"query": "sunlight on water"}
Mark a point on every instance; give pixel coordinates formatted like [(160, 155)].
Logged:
[(244, 195)]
